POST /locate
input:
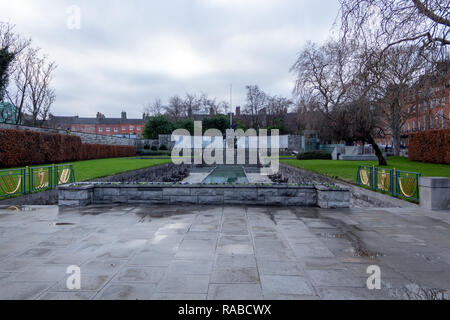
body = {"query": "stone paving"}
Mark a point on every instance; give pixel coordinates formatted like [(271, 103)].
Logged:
[(229, 252)]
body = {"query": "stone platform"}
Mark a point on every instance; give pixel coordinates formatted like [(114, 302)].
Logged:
[(223, 252), (324, 196)]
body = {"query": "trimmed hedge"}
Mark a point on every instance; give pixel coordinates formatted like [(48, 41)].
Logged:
[(430, 146), (314, 155), (24, 148)]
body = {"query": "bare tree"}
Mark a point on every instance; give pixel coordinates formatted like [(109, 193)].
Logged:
[(175, 109), (222, 107), (22, 71), (47, 102), (399, 69), (41, 95), (338, 76), (386, 23), (191, 104), (256, 101), (154, 108)]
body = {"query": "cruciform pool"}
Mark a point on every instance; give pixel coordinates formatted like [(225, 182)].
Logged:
[(227, 174)]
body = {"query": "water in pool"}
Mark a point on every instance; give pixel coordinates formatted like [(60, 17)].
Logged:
[(227, 175)]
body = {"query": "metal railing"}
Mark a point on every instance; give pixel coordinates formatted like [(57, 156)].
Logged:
[(401, 184), (28, 180), (12, 182)]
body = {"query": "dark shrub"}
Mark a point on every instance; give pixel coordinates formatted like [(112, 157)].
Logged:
[(314, 155), (430, 146), (154, 148), (24, 148), (163, 147)]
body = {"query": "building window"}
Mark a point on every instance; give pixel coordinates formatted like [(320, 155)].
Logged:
[(409, 126), (124, 128), (91, 129), (100, 129), (418, 124), (116, 129), (414, 124), (108, 129), (431, 122), (138, 128)]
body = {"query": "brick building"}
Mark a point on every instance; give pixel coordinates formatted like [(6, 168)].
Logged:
[(119, 127), (428, 108)]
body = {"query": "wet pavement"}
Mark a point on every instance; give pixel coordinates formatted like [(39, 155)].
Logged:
[(215, 252)]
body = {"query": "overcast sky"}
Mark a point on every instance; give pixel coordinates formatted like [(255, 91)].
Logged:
[(127, 53)]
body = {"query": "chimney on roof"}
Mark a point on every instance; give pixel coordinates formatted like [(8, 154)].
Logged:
[(238, 111), (100, 115), (124, 115)]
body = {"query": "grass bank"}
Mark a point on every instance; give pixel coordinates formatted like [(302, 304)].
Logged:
[(347, 170)]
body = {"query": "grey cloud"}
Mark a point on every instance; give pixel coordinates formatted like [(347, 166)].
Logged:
[(130, 52)]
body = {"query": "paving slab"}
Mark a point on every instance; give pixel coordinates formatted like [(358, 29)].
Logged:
[(223, 252), (237, 291)]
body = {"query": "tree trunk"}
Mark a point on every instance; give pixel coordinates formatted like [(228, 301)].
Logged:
[(396, 126), (396, 137), (381, 160)]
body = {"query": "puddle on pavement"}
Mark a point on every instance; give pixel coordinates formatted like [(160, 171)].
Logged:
[(272, 217), (332, 236), (147, 214), (310, 213), (346, 232), (358, 249)]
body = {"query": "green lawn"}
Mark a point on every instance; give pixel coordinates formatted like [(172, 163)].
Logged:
[(347, 170), (91, 169)]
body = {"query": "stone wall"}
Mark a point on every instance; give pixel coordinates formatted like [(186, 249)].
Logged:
[(296, 175), (360, 197), (295, 143), (435, 193), (140, 144), (49, 197), (85, 137), (269, 195), (154, 174), (166, 139)]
